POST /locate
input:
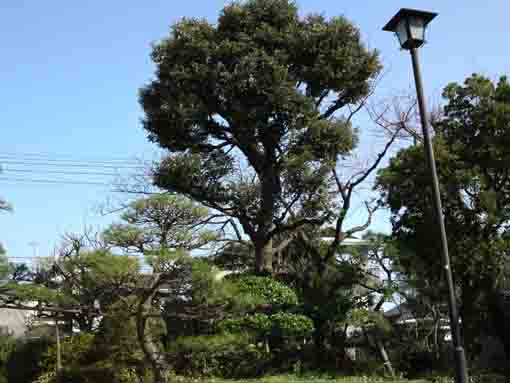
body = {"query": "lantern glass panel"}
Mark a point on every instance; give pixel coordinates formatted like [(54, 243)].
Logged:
[(401, 32), (417, 28)]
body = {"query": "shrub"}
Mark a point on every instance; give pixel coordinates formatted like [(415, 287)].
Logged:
[(91, 374), (23, 362), (227, 355), (7, 345), (281, 324), (291, 325), (74, 351), (266, 290), (259, 324)]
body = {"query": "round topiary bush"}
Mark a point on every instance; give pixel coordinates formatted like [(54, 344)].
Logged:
[(266, 290)]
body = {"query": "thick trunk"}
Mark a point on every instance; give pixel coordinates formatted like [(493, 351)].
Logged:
[(264, 257), (270, 189), (325, 354), (149, 347)]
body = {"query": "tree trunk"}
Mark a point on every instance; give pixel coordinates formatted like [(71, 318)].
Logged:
[(319, 340), (470, 328), (384, 356), (270, 189), (149, 347), (382, 351), (264, 257), (435, 336)]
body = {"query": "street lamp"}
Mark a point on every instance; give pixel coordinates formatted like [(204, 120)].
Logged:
[(410, 26)]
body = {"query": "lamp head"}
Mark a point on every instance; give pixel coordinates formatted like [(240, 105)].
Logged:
[(410, 25)]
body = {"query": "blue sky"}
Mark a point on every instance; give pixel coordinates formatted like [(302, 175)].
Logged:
[(70, 73)]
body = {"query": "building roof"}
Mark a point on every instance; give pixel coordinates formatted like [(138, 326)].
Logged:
[(400, 312), (349, 241)]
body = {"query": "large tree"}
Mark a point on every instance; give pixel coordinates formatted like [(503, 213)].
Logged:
[(472, 147), (255, 111)]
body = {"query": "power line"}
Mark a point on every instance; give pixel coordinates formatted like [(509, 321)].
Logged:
[(72, 165), (29, 257), (115, 188), (65, 172), (59, 182), (67, 157), (46, 257)]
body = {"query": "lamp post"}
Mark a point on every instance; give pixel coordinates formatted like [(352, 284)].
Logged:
[(410, 25)]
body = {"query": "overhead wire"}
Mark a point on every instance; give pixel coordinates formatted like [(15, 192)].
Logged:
[(90, 171), (66, 157), (74, 164), (64, 172), (59, 182)]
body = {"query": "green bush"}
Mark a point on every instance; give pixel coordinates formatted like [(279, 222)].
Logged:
[(227, 355), (281, 324), (258, 323), (88, 358), (23, 364), (282, 336), (266, 290), (291, 325), (74, 350), (7, 346), (90, 374)]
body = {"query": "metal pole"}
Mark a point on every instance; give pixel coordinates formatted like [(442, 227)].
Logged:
[(59, 350), (460, 357)]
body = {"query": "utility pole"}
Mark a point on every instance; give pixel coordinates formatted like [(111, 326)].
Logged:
[(59, 349), (35, 253)]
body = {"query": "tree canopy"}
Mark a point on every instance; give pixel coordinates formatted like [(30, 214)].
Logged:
[(161, 221), (471, 143), (254, 112)]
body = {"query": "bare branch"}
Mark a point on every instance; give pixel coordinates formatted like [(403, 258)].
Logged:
[(404, 120), (366, 225), (340, 185), (236, 229), (375, 164)]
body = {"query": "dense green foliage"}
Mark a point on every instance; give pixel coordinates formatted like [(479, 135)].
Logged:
[(471, 143), (267, 290), (160, 221), (7, 345), (111, 354), (23, 363), (225, 355), (246, 108), (281, 324)]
